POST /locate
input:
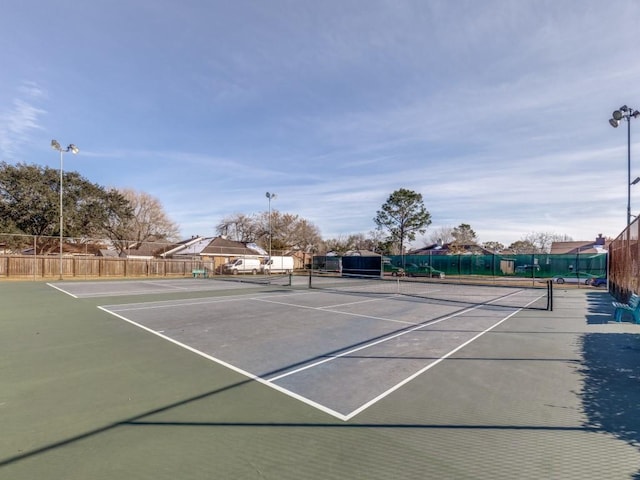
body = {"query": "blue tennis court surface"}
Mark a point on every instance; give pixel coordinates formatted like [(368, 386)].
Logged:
[(337, 352)]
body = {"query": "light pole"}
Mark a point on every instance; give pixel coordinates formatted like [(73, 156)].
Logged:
[(270, 196), (618, 115), (73, 149)]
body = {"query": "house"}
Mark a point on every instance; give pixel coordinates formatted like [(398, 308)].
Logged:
[(599, 245), (146, 250), (301, 259), (107, 253), (361, 253), (451, 249), (221, 250), (140, 251), (191, 247)]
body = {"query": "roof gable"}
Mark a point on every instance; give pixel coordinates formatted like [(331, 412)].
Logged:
[(224, 246)]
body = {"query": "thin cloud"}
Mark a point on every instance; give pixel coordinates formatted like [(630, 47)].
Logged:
[(20, 120)]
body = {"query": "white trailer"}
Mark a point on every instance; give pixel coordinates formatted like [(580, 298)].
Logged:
[(277, 265)]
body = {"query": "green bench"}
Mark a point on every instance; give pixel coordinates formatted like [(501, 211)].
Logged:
[(632, 307), (200, 272)]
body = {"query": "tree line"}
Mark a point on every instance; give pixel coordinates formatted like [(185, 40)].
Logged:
[(400, 219), (29, 205)]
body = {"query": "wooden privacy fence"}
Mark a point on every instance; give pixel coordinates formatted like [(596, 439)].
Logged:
[(624, 263), (48, 266)]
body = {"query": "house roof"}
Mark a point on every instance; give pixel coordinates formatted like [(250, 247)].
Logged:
[(577, 247), (193, 246), (447, 248), (142, 249), (223, 246), (361, 253), (599, 245)]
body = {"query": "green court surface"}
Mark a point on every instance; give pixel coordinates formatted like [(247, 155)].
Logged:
[(131, 380)]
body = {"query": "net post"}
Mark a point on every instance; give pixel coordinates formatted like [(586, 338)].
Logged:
[(550, 295)]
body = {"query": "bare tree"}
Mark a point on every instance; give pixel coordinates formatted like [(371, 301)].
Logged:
[(288, 231), (239, 227), (305, 236), (149, 222), (338, 245), (543, 240), (442, 235)]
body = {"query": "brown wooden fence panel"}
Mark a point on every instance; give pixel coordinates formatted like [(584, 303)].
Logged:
[(48, 266), (624, 262)]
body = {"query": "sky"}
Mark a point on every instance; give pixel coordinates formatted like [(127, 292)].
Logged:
[(495, 111)]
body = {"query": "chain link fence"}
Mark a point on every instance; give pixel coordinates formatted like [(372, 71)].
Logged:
[(577, 268)]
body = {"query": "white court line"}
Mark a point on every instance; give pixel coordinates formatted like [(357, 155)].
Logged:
[(378, 299), (168, 286), (329, 309), (431, 365), (233, 367), (270, 382), (382, 340), (62, 290), (392, 337), (160, 286), (108, 293), (185, 302)]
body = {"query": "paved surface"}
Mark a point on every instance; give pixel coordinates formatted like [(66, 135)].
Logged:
[(338, 352), (86, 395)]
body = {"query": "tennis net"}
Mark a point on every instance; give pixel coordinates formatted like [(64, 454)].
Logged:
[(516, 294), (283, 280)]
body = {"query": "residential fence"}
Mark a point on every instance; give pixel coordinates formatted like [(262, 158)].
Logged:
[(38, 257), (624, 262), (42, 267)]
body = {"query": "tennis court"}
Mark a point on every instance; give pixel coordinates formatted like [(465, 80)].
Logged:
[(202, 378), (339, 352)]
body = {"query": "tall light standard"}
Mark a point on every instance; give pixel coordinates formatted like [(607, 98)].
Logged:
[(618, 115), (270, 196), (73, 149)]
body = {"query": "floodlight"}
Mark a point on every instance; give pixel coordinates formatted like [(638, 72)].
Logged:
[(73, 149), (270, 196), (625, 113)]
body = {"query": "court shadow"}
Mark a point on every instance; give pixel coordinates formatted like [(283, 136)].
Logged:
[(599, 309), (610, 397)]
